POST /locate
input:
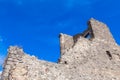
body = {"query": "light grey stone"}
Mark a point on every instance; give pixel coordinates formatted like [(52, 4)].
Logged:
[(94, 58)]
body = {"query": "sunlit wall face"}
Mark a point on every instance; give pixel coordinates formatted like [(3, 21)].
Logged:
[(36, 24)]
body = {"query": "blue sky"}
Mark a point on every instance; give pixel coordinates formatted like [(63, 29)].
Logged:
[(36, 24)]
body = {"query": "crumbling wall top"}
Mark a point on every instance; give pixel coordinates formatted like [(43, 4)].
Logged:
[(100, 30), (97, 31), (85, 56)]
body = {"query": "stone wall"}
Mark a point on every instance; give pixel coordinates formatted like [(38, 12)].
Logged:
[(14, 57), (86, 59)]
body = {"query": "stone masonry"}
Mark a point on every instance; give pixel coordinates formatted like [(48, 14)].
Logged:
[(88, 58)]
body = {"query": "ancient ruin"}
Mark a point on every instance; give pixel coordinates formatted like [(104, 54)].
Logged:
[(96, 57)]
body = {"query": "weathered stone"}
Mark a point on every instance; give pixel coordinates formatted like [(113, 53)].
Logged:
[(82, 58), (8, 66), (10, 59)]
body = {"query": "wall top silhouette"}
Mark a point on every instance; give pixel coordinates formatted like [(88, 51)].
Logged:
[(90, 55)]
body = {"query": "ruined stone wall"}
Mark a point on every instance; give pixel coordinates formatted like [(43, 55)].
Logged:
[(86, 59), (14, 57)]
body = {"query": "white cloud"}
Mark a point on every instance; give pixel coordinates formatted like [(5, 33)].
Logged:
[(78, 2), (2, 58), (83, 3), (19, 2), (2, 51), (1, 39)]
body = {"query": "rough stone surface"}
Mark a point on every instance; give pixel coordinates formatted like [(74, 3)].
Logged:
[(85, 59)]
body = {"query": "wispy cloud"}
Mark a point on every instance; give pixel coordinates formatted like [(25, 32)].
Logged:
[(2, 58), (2, 51), (1, 39), (72, 3)]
